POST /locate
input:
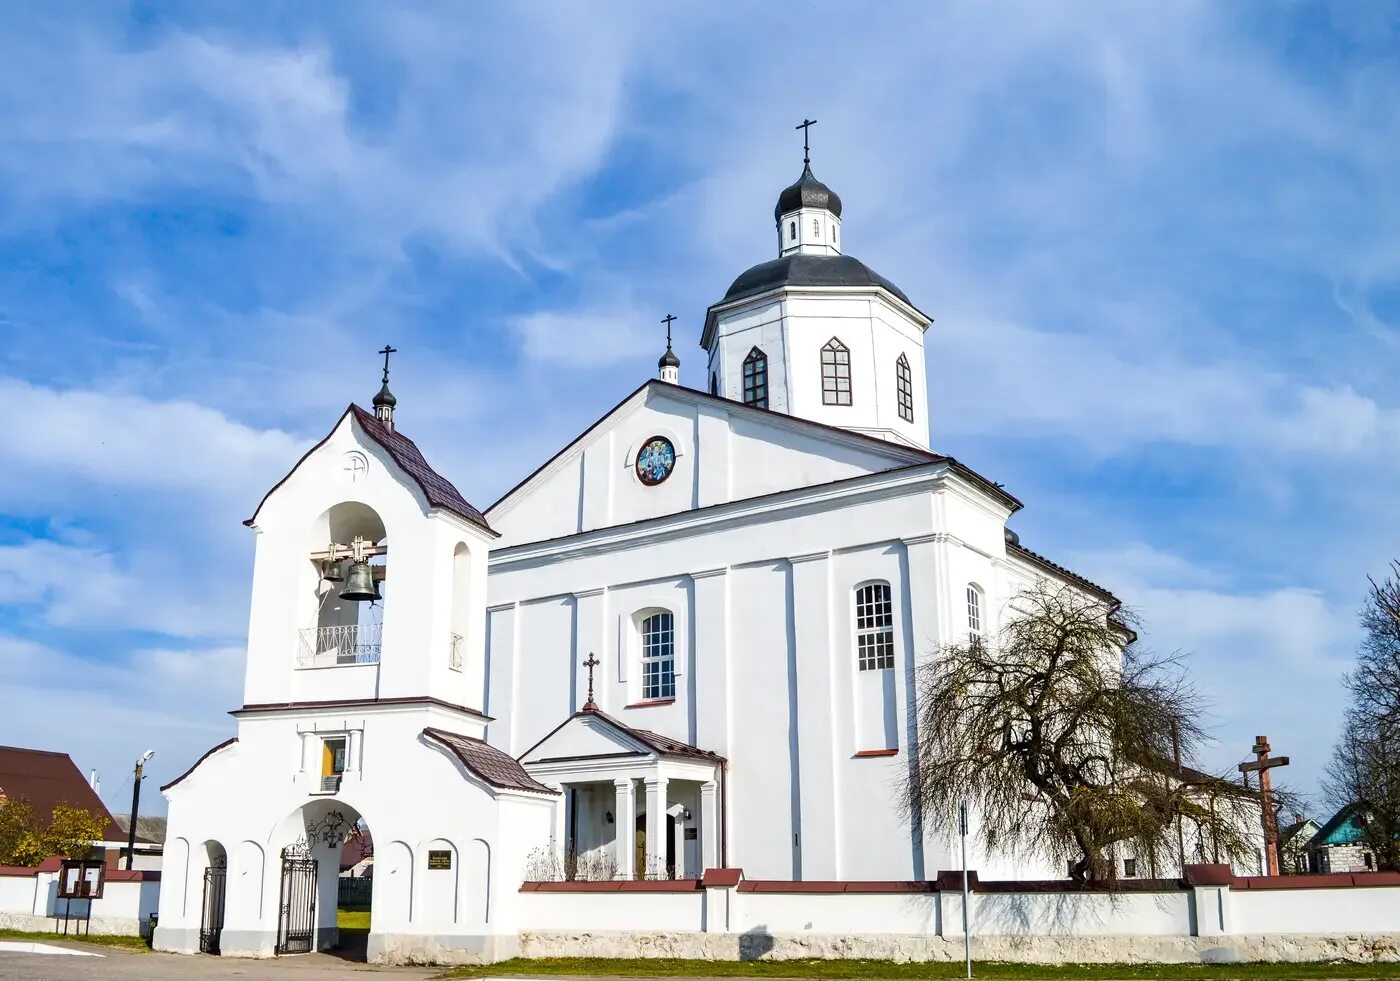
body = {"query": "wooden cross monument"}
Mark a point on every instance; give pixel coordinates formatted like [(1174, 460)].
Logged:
[(1263, 763)]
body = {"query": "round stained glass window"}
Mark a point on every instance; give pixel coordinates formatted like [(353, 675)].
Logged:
[(655, 460)]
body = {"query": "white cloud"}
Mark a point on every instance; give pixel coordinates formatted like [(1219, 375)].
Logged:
[(105, 711), (128, 440)]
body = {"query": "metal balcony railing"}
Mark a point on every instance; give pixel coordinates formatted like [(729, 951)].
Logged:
[(454, 652), (349, 643)]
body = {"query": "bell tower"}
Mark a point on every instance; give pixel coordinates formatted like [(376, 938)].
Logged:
[(816, 332), (369, 578)]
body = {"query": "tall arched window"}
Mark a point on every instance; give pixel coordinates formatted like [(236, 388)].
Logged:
[(874, 627), (659, 656), (756, 379), (904, 388), (974, 614), (836, 373)]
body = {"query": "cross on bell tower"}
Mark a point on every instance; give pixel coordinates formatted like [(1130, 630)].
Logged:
[(384, 402)]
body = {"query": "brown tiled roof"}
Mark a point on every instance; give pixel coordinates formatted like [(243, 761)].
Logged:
[(439, 491), (487, 762), (47, 779)]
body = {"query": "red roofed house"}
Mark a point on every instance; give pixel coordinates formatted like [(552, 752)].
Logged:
[(47, 778)]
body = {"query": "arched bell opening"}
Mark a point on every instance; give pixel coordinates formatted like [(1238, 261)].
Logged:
[(346, 584)]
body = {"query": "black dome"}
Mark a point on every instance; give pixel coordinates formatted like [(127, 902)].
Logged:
[(385, 397), (669, 360), (809, 270), (808, 192)]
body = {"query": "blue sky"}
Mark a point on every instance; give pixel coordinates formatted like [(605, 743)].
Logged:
[(1161, 247)]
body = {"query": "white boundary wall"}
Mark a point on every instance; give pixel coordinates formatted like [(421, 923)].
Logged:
[(29, 901), (1212, 919)]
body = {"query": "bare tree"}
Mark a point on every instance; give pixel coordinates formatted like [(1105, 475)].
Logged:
[(1064, 737), (1366, 761)]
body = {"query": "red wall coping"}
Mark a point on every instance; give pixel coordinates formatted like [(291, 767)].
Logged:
[(616, 885), (1196, 875), (54, 864)]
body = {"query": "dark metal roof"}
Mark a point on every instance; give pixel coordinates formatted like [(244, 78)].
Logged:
[(46, 779), (385, 397), (669, 360), (487, 762), (808, 192), (1045, 563), (654, 741), (809, 270)]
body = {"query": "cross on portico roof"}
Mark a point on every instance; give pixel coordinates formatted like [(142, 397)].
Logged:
[(590, 664)]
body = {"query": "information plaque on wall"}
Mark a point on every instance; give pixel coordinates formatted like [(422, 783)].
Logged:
[(440, 859)]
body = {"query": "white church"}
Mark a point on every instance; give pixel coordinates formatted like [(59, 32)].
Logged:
[(686, 642)]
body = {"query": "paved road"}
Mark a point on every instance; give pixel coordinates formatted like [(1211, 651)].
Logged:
[(120, 965)]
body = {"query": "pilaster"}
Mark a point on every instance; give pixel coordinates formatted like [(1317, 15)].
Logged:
[(818, 837)]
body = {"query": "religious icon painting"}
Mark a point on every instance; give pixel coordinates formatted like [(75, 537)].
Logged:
[(655, 460)]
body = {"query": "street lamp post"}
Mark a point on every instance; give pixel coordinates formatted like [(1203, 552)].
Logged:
[(136, 804)]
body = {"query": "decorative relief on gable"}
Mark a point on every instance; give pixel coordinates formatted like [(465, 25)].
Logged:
[(356, 466)]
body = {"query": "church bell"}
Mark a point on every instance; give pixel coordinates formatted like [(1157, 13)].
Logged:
[(359, 584), (332, 571)]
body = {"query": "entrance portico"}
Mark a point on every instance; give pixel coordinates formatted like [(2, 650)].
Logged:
[(635, 804)]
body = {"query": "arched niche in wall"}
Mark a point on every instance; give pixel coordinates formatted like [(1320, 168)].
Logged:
[(175, 873), (245, 887), (439, 867), (462, 590), (477, 897), (392, 903)]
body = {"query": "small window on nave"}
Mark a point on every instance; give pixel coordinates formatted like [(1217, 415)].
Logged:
[(974, 614), (874, 627), (756, 379), (904, 388), (836, 373), (658, 656)]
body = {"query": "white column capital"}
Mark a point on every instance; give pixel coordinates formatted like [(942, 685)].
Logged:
[(622, 783)]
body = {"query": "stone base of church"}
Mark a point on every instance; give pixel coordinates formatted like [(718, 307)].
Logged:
[(125, 926), (759, 945), (441, 948)]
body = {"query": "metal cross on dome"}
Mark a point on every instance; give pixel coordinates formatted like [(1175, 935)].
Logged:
[(386, 351), (668, 320), (806, 127), (590, 664)]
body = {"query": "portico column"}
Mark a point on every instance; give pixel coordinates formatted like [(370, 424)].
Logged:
[(625, 821), (709, 826), (656, 827)]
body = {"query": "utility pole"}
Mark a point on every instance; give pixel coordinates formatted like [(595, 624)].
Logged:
[(135, 805), (1263, 763)]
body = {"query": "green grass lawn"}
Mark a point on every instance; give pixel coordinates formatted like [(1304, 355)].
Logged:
[(352, 919), (105, 939), (656, 968)]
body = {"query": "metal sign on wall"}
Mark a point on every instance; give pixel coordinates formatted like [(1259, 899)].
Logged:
[(440, 859)]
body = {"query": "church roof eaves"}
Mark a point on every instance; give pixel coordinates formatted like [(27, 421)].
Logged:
[(912, 454), (437, 489), (1076, 578)]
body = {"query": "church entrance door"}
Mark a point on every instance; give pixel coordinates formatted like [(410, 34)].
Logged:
[(642, 872), (296, 914), (211, 921)]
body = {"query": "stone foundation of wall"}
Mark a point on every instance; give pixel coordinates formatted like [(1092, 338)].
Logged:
[(127, 926), (1287, 948), (433, 948)]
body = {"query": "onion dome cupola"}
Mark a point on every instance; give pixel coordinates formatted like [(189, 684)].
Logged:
[(817, 333), (384, 402), (808, 213), (668, 365)]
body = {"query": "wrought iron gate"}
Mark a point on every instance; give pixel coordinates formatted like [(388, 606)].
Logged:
[(296, 916), (211, 921)]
